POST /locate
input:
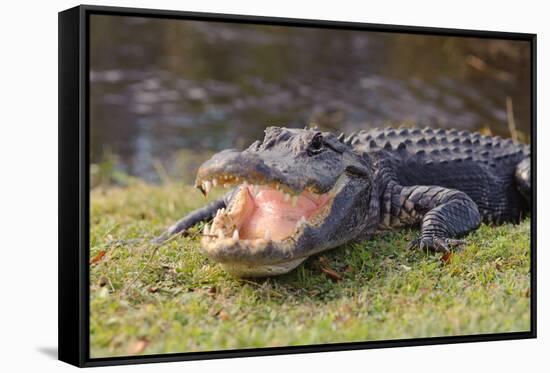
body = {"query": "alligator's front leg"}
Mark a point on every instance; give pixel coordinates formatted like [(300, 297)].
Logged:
[(444, 214), (202, 214)]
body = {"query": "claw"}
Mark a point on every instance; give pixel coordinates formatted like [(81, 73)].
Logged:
[(423, 244), (456, 243), (411, 245), (440, 245), (436, 244)]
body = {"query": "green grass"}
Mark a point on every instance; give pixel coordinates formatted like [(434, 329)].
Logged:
[(177, 300)]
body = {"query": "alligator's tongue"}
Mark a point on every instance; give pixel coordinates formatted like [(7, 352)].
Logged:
[(271, 212)]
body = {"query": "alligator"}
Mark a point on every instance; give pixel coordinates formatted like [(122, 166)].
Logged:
[(303, 191)]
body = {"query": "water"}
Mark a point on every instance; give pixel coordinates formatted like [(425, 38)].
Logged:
[(160, 86)]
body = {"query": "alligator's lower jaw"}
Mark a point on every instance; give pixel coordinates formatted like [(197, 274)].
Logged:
[(257, 234), (261, 270)]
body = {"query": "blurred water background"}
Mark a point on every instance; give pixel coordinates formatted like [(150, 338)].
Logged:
[(166, 94)]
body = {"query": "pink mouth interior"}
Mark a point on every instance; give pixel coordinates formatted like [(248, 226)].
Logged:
[(268, 210)]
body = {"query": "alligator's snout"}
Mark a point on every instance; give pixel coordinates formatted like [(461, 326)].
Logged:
[(291, 192), (257, 232), (231, 166)]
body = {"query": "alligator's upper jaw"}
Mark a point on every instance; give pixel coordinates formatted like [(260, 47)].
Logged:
[(256, 235)]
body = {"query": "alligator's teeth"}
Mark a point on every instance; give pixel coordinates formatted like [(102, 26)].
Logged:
[(277, 186), (206, 230), (302, 221), (287, 197), (236, 235), (226, 185), (256, 190), (215, 182), (207, 185), (245, 183), (294, 201), (221, 236), (267, 235)]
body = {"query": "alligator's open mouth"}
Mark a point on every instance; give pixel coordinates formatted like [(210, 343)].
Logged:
[(261, 217)]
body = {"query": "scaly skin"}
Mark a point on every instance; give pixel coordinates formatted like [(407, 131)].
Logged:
[(445, 181)]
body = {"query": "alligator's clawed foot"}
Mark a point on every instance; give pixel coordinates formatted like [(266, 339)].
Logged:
[(436, 244)]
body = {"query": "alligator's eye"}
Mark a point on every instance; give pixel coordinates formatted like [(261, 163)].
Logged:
[(316, 145)]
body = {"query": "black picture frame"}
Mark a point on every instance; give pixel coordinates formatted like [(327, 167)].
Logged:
[(74, 181)]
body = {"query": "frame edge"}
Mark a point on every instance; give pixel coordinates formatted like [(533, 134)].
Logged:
[(304, 22), (70, 333)]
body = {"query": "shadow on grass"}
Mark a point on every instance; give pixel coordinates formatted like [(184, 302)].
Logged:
[(344, 270)]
